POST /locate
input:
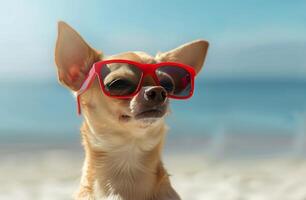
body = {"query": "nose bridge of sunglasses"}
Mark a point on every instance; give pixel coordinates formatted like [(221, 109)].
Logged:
[(148, 76)]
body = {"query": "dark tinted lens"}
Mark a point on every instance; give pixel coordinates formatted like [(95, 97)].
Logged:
[(176, 80), (120, 79)]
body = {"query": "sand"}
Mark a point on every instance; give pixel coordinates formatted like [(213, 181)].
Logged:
[(50, 175)]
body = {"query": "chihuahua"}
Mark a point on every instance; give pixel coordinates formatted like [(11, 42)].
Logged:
[(124, 99)]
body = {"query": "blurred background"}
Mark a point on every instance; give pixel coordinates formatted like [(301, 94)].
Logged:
[(248, 111)]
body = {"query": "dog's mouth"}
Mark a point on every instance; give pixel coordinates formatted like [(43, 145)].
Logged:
[(151, 113), (124, 118)]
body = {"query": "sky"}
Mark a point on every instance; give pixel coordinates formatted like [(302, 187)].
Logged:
[(248, 39)]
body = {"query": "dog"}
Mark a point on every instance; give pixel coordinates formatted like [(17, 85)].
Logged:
[(122, 138)]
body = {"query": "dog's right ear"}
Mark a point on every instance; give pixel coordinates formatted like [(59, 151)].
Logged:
[(73, 57)]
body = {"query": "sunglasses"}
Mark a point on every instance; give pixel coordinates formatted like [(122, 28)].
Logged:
[(123, 79)]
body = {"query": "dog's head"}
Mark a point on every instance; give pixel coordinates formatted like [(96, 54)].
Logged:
[(74, 58)]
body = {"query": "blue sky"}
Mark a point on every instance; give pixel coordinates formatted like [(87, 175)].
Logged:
[(249, 39)]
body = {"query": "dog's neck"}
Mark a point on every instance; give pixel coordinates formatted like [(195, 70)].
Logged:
[(122, 164)]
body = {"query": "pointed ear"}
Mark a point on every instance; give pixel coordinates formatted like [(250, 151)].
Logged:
[(192, 54), (73, 57)]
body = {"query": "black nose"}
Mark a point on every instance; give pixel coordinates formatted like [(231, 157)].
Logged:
[(155, 94)]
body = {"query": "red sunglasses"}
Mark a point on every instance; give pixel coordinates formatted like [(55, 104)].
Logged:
[(124, 78)]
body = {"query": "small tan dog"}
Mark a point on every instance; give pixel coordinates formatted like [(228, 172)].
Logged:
[(123, 148)]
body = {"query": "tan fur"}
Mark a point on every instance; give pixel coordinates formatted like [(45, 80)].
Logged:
[(128, 157), (122, 160)]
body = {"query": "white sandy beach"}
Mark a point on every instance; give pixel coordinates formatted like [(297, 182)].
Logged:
[(54, 175)]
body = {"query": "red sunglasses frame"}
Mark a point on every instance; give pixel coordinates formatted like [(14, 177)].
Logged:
[(147, 69)]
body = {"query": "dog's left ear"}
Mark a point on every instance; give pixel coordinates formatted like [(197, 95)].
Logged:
[(192, 54), (73, 57)]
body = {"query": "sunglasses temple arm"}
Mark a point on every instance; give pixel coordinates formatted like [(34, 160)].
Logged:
[(78, 105), (91, 73)]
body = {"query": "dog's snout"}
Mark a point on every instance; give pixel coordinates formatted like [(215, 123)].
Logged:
[(150, 102), (155, 94)]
